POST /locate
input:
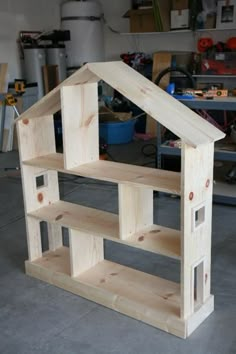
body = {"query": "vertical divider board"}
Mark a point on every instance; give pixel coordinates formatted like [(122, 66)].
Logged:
[(37, 138), (196, 195), (135, 209), (80, 124), (85, 251)]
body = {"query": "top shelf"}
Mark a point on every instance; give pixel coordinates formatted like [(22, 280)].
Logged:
[(159, 180), (177, 31)]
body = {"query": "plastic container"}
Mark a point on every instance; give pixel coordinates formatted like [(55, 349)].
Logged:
[(117, 132)]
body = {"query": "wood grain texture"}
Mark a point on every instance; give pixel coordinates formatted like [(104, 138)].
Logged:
[(37, 137), (3, 77), (175, 116), (160, 180), (196, 243), (135, 209), (80, 124), (142, 296), (85, 251), (154, 238), (51, 103)]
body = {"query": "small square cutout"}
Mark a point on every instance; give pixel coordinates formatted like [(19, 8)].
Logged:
[(41, 181), (198, 216)]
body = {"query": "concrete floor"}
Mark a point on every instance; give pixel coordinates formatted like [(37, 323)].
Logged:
[(39, 318)]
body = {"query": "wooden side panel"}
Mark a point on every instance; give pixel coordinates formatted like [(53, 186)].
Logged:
[(34, 243), (36, 198), (80, 124), (135, 209), (196, 219), (85, 251), (36, 138)]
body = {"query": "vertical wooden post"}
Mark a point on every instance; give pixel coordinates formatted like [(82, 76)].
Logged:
[(80, 124), (85, 251), (135, 209), (196, 218), (36, 137)]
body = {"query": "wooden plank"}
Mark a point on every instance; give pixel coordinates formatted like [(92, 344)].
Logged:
[(3, 77), (196, 240), (142, 296), (51, 103), (36, 137), (92, 221), (80, 124), (199, 316), (160, 180), (54, 237), (34, 242), (85, 251), (155, 238), (10, 135), (161, 61), (135, 209), (50, 77), (175, 116), (8, 129)]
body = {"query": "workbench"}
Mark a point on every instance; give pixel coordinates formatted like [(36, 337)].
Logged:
[(224, 150)]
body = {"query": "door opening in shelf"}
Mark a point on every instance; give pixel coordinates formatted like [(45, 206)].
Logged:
[(198, 285)]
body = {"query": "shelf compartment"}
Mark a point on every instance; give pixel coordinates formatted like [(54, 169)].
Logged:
[(145, 297), (155, 238), (159, 180)]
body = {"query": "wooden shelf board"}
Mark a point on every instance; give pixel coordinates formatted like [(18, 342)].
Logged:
[(92, 221), (142, 296), (178, 31), (156, 239), (156, 33), (159, 180)]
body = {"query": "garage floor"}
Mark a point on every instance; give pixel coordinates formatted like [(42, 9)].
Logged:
[(39, 318)]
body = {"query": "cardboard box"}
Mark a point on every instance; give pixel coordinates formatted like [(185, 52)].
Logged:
[(179, 19), (179, 4), (141, 20), (210, 21)]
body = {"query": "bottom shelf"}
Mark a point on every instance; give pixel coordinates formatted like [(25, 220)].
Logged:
[(142, 296)]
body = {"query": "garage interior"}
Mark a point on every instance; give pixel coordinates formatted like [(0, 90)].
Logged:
[(37, 317)]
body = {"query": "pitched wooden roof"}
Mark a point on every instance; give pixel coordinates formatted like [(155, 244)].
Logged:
[(168, 111)]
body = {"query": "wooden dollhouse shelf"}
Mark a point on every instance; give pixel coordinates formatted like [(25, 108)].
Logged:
[(155, 238), (81, 269), (159, 180)]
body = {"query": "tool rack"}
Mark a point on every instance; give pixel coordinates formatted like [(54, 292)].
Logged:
[(81, 267)]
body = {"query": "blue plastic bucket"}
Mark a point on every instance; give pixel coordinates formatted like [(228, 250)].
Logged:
[(117, 132)]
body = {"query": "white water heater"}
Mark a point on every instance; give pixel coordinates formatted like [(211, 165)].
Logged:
[(85, 22), (34, 60)]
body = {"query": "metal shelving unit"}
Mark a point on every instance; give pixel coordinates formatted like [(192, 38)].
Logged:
[(223, 191)]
